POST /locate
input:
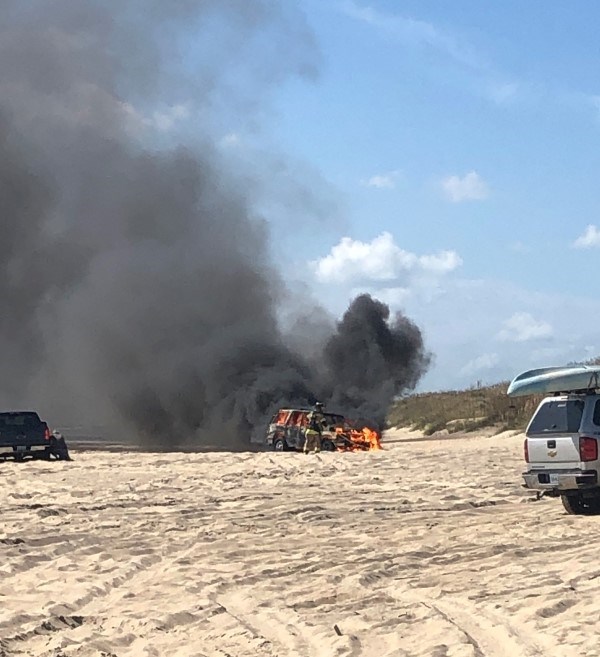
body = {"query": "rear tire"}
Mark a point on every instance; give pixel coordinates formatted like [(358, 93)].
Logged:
[(279, 445), (578, 505)]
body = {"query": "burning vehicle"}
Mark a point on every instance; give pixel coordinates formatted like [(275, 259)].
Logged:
[(287, 428)]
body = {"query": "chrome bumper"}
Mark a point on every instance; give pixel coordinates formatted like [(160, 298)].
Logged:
[(561, 480)]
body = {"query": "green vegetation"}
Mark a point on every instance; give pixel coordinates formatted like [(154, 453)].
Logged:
[(463, 410)]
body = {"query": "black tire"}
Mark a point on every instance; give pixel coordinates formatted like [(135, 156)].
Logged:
[(328, 446), (279, 445), (578, 505)]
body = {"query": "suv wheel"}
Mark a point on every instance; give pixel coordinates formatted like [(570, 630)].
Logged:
[(577, 504), (279, 445), (328, 446)]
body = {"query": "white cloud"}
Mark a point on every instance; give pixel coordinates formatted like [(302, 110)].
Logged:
[(166, 119), (589, 239), (382, 180), (505, 93), (469, 188), (480, 364), (380, 261), (415, 33), (522, 327), (163, 120), (440, 263), (481, 75), (231, 140)]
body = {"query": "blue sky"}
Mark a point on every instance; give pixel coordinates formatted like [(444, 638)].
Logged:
[(452, 154)]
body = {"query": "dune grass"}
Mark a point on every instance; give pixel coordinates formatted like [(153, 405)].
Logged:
[(463, 410)]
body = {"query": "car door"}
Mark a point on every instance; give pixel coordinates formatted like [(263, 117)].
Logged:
[(295, 431)]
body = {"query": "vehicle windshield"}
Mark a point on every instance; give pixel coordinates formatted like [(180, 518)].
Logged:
[(561, 416), (289, 417)]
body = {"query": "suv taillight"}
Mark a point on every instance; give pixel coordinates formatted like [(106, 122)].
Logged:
[(47, 433), (526, 451), (588, 449)]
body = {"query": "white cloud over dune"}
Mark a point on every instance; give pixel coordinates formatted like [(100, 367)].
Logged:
[(382, 180), (589, 239), (480, 364), (522, 327), (470, 187), (381, 262)]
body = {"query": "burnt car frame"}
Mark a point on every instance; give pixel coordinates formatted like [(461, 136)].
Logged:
[(287, 429)]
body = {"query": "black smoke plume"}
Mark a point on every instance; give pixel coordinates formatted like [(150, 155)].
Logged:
[(136, 290), (371, 359)]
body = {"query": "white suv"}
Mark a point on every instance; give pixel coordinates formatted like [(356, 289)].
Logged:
[(561, 450)]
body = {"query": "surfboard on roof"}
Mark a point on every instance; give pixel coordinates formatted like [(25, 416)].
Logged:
[(555, 379)]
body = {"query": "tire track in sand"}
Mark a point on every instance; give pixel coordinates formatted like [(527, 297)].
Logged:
[(490, 634)]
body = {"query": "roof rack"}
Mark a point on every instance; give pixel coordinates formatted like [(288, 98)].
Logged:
[(580, 391)]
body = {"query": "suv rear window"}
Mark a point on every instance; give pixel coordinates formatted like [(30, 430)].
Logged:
[(19, 419), (562, 416), (596, 418)]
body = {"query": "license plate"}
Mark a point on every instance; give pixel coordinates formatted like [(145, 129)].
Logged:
[(554, 478)]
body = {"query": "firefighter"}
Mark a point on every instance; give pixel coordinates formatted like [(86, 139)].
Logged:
[(312, 435)]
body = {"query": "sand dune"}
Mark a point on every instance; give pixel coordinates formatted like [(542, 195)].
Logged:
[(430, 547)]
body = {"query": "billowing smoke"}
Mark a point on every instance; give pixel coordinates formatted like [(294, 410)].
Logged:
[(370, 359), (136, 287)]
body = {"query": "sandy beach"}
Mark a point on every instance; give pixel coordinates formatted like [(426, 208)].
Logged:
[(430, 547)]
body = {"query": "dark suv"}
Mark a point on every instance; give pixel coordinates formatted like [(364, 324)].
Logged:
[(23, 434)]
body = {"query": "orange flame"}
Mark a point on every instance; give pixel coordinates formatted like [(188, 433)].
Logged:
[(359, 440)]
